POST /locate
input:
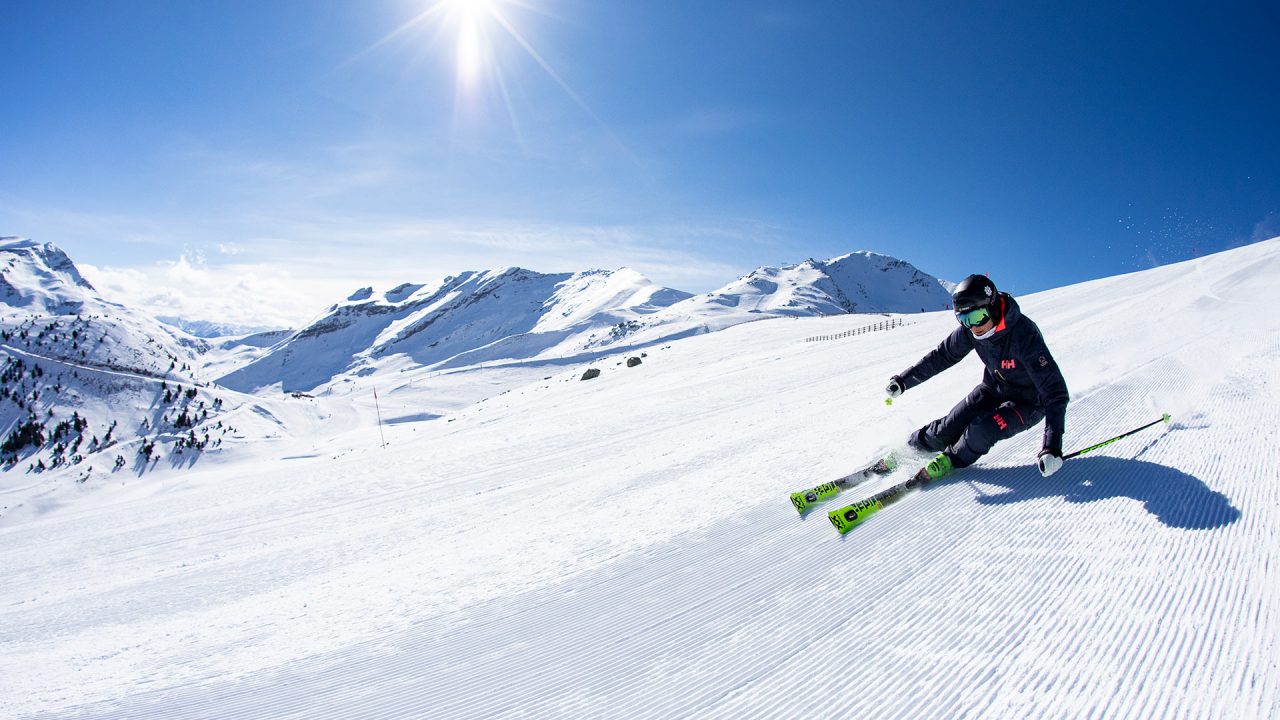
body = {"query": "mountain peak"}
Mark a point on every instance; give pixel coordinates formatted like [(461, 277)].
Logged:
[(40, 276), (476, 316), (857, 282)]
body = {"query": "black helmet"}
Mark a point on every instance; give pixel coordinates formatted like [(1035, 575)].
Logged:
[(974, 292)]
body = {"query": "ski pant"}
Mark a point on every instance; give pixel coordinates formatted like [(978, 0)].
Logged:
[(975, 425)]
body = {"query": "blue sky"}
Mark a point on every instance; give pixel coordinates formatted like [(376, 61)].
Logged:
[(259, 160)]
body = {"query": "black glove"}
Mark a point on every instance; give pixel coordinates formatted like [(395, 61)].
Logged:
[(895, 387)]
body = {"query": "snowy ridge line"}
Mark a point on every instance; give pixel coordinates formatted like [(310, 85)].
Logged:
[(128, 442), (131, 374), (886, 325)]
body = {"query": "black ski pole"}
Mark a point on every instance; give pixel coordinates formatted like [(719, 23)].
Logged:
[(1164, 419)]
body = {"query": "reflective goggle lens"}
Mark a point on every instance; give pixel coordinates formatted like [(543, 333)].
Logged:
[(974, 318)]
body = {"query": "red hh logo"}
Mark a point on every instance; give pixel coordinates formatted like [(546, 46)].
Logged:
[(1008, 364), (1000, 423), (1044, 361)]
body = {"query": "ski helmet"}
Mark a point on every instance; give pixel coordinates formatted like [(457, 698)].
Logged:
[(974, 292)]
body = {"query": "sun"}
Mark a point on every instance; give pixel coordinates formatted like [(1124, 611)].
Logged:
[(483, 35), (473, 19)]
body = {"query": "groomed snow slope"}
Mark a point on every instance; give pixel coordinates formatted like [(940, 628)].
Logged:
[(624, 548)]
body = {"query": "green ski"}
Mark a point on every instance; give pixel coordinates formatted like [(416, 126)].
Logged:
[(850, 516), (806, 499)]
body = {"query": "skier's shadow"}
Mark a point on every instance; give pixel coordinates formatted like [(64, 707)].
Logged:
[(1176, 499)]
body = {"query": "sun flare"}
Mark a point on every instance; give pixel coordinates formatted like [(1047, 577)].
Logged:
[(472, 54), (473, 21), (480, 37)]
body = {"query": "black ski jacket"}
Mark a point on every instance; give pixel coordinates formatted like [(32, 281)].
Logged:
[(1018, 364)]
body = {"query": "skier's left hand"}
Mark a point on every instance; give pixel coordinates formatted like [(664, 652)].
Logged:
[(1050, 462)]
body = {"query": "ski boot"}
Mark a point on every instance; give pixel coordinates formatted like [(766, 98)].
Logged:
[(938, 468)]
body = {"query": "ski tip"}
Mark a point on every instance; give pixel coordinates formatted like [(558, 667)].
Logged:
[(798, 500), (844, 519), (888, 402), (1167, 418), (850, 516)]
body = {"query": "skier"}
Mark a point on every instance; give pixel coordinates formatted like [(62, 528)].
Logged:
[(1021, 385)]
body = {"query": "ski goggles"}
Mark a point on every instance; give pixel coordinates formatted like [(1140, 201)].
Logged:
[(975, 317)]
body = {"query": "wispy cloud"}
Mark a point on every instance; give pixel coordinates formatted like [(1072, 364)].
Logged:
[(121, 229), (1266, 228), (286, 279), (325, 173), (394, 251), (719, 121), (251, 295), (274, 239)]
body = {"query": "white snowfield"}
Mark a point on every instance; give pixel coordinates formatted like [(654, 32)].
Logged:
[(624, 547), (519, 317)]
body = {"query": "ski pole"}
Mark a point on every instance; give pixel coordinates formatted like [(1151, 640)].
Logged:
[(1164, 419)]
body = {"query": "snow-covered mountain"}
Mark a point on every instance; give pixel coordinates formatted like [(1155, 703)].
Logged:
[(90, 381), (39, 278), (211, 329), (468, 319), (41, 286), (448, 345), (862, 282), (624, 548), (517, 315)]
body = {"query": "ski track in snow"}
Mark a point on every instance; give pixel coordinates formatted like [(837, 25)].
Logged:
[(623, 548)]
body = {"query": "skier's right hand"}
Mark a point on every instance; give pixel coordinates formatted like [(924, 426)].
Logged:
[(895, 387), (1050, 462)]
